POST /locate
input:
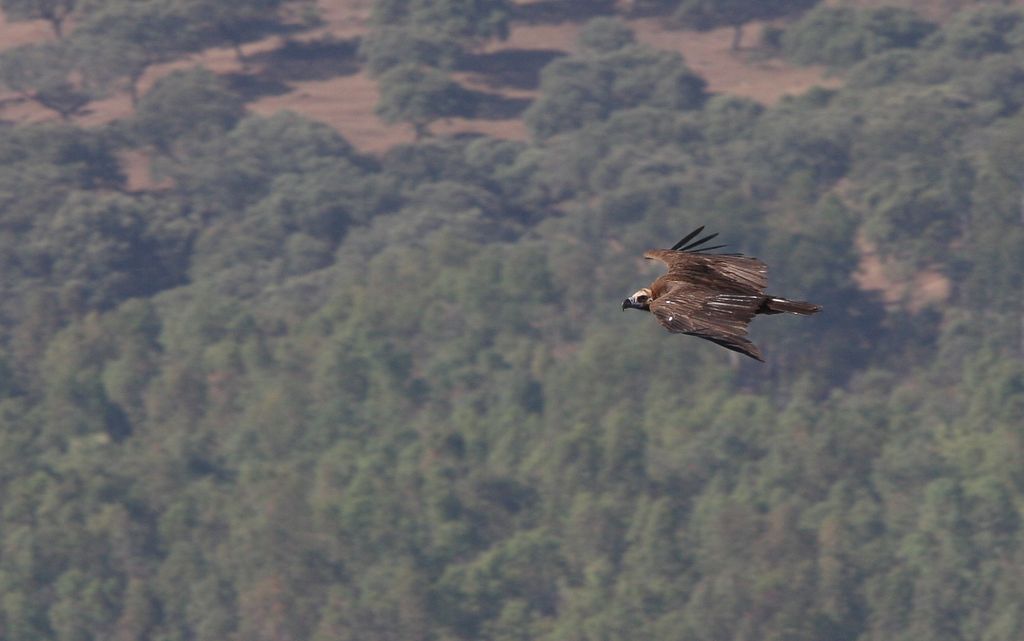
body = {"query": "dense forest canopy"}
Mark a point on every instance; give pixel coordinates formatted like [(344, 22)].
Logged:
[(295, 391)]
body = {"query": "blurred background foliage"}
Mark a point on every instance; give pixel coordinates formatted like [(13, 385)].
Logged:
[(296, 391)]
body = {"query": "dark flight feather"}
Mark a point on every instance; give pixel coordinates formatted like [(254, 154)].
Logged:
[(698, 243), (687, 238)]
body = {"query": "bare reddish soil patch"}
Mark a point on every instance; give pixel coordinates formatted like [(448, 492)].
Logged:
[(14, 34), (734, 72), (346, 103), (924, 288)]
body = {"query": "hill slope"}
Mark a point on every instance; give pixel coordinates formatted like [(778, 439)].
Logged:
[(342, 95)]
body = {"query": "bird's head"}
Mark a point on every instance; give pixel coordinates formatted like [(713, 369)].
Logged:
[(639, 300)]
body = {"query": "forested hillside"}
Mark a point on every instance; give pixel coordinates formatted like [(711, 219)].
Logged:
[(293, 391)]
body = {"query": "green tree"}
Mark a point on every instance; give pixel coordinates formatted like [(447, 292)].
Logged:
[(226, 174), (387, 47), (466, 21), (420, 96), (234, 22), (979, 32), (122, 40), (84, 607), (841, 36), (42, 73), (578, 90), (100, 248), (300, 221), (183, 106), (708, 14), (56, 12), (604, 35), (138, 614)]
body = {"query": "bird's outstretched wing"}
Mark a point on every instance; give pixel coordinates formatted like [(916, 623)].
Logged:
[(720, 317), (721, 272)]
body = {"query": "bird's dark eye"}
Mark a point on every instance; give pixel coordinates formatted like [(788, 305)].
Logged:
[(641, 299)]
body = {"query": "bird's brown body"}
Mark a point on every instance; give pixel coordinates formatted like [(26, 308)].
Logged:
[(711, 296)]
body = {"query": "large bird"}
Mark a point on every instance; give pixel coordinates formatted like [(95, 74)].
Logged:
[(711, 296)]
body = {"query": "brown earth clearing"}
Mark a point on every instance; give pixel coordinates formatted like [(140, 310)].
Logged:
[(926, 287)]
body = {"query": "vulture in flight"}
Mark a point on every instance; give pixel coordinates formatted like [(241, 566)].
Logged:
[(711, 296)]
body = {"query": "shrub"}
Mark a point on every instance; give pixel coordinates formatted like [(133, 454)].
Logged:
[(840, 36), (975, 34), (604, 35)]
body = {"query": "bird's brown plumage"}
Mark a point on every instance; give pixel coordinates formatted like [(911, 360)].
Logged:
[(712, 296)]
